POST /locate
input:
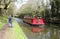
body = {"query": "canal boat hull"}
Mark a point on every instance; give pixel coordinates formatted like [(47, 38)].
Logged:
[(37, 24)]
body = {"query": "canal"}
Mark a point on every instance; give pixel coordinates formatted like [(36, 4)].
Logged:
[(51, 31)]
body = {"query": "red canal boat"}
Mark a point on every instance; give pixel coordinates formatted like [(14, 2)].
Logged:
[(36, 23)]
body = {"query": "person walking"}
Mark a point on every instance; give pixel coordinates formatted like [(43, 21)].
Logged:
[(10, 21)]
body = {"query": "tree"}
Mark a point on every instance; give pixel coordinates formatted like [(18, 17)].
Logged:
[(55, 8), (4, 5)]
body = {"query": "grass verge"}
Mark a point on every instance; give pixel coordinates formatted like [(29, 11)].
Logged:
[(3, 20), (15, 32)]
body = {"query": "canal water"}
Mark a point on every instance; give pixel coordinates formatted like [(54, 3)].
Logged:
[(51, 31)]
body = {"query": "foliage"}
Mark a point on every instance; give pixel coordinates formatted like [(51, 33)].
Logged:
[(11, 9), (33, 10), (4, 6), (55, 8), (3, 20)]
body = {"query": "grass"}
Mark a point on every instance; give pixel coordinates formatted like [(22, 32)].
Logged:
[(3, 20), (15, 32)]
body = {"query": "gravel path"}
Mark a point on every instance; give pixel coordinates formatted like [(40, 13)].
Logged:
[(2, 31)]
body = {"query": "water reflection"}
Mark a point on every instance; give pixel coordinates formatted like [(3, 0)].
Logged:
[(50, 32)]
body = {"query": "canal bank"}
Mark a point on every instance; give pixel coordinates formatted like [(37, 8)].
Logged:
[(14, 32)]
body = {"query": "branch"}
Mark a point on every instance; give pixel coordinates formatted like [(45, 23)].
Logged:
[(6, 5)]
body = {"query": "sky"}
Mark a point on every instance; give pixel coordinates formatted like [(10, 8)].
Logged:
[(19, 3)]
